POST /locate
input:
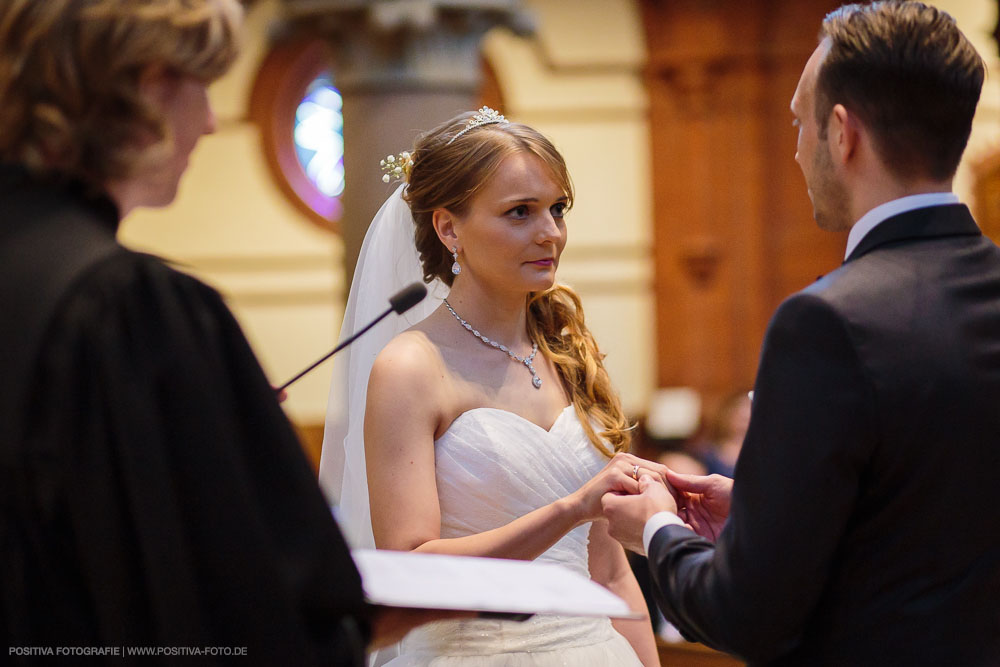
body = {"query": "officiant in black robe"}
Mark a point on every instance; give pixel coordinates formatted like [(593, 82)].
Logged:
[(153, 492)]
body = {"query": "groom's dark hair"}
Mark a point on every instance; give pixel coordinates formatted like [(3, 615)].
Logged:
[(910, 75)]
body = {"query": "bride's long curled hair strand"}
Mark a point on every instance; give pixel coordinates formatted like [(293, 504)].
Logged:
[(556, 323), (447, 176)]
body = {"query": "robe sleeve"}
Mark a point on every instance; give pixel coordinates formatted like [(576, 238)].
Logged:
[(171, 488)]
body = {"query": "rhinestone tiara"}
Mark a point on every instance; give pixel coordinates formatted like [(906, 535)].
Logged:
[(485, 116)]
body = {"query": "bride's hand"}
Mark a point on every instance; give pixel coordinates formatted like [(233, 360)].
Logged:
[(621, 475)]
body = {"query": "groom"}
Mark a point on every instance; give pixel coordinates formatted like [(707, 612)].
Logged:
[(864, 524)]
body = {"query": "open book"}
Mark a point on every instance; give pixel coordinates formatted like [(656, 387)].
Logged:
[(505, 588)]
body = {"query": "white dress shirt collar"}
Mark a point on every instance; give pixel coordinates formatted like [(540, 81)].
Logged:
[(874, 217)]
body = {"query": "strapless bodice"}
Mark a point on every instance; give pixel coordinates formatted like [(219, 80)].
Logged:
[(493, 466)]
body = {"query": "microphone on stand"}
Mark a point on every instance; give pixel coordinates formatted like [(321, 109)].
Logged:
[(400, 302)]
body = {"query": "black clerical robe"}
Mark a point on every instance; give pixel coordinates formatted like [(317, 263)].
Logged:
[(153, 492)]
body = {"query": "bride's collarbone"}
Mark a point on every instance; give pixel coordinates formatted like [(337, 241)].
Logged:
[(514, 394), (493, 368), (475, 376)]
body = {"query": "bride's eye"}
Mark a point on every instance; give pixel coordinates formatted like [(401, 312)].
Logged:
[(518, 212), (558, 209)]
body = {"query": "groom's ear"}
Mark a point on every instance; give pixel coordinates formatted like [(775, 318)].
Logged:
[(844, 133), (444, 224)]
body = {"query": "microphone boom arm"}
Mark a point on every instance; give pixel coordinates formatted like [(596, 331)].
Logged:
[(400, 302)]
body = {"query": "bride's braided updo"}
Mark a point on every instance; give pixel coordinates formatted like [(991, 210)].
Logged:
[(449, 168)]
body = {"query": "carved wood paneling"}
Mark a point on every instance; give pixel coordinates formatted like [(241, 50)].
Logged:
[(684, 654), (734, 233)]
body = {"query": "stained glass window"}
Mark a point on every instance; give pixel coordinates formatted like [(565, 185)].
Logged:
[(301, 117), (319, 136)]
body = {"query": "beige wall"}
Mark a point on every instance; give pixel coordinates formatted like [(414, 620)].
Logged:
[(232, 226), (977, 18), (578, 81)]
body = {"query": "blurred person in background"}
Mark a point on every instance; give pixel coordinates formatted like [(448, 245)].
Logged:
[(725, 433)]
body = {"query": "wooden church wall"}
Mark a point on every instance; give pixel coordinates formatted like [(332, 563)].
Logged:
[(734, 233)]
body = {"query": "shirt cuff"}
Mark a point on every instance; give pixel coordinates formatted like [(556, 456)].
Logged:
[(654, 523)]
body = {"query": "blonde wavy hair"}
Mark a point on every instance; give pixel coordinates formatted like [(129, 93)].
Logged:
[(448, 176), (70, 72)]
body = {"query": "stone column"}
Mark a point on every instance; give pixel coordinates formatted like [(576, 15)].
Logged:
[(402, 66)]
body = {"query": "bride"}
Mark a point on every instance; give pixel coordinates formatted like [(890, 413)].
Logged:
[(490, 426)]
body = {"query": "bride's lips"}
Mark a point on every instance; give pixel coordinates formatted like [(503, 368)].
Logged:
[(543, 262)]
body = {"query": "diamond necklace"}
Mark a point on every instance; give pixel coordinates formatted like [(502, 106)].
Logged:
[(527, 361)]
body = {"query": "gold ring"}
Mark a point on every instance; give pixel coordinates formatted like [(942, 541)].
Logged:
[(635, 472)]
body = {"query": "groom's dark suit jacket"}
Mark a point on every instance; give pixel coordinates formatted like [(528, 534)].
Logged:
[(865, 523)]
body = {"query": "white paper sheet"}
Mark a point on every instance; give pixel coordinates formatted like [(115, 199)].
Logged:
[(433, 581)]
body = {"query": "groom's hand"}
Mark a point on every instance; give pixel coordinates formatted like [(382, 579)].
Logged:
[(704, 501), (627, 514)]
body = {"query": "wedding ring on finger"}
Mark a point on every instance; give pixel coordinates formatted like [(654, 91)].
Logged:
[(635, 472)]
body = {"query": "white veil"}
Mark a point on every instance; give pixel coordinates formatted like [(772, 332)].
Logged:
[(388, 262)]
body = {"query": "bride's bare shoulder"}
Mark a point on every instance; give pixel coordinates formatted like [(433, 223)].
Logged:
[(410, 377), (411, 358), (412, 342)]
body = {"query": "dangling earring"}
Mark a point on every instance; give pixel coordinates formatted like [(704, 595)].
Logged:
[(456, 268)]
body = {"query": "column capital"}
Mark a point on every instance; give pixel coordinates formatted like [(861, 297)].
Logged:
[(407, 44)]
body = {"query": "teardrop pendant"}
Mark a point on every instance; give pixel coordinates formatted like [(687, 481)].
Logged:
[(528, 361)]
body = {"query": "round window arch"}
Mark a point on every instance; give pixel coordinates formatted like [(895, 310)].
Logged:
[(298, 109)]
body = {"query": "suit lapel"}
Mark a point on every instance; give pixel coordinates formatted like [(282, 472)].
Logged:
[(922, 223)]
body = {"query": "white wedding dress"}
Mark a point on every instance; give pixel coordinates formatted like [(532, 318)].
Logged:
[(494, 466)]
